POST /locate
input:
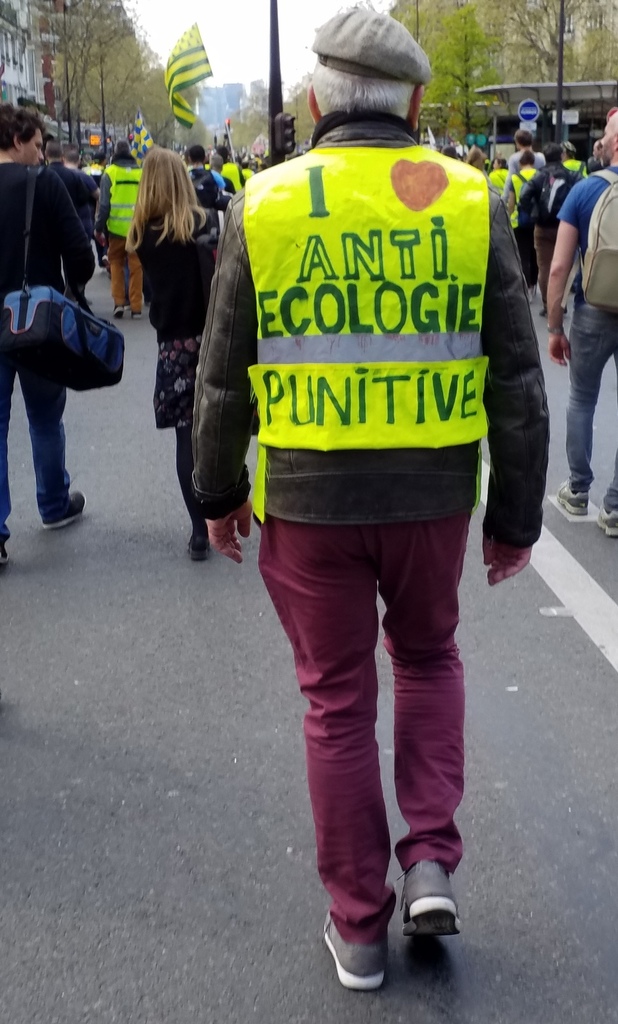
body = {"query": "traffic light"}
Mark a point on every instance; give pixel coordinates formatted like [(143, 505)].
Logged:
[(284, 134)]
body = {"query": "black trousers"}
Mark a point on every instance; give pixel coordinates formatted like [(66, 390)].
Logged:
[(525, 244)]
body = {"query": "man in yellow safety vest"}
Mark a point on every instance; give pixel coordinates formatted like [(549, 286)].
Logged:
[(369, 295), (570, 161), (119, 187)]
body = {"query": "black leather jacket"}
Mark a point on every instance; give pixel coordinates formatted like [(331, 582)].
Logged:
[(376, 486)]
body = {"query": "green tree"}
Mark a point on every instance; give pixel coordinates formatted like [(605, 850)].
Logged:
[(525, 33), (101, 59), (461, 63)]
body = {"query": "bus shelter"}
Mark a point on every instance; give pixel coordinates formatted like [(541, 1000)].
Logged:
[(585, 109)]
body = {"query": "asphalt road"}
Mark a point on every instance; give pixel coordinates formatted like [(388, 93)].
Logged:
[(156, 846)]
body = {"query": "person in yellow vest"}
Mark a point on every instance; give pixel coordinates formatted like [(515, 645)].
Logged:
[(522, 224), (230, 169), (382, 327), (570, 161), (499, 173), (119, 187)]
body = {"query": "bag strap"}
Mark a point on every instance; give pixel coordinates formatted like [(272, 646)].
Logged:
[(573, 272), (31, 176), (607, 175)]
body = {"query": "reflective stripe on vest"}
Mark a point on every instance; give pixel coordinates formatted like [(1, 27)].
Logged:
[(125, 183), (369, 299), (526, 173)]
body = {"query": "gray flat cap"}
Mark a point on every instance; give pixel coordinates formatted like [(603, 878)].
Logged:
[(363, 42)]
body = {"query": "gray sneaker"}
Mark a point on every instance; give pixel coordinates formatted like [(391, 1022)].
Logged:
[(427, 901), (608, 521), (358, 967), (575, 502)]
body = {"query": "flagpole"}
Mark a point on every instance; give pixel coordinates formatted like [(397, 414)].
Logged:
[(275, 92)]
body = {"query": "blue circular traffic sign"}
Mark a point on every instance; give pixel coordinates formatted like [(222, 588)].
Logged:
[(528, 110)]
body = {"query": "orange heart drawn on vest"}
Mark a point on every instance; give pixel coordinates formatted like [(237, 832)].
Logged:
[(418, 185)]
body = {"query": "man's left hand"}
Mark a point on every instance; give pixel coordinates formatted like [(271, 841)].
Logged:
[(223, 533), (504, 560)]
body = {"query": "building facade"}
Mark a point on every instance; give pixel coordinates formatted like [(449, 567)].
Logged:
[(20, 69)]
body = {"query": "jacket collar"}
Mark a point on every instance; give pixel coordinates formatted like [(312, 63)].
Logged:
[(359, 127)]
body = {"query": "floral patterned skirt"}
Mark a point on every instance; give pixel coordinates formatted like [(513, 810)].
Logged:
[(175, 382)]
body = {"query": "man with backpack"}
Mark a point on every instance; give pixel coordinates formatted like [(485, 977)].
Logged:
[(588, 221), (210, 193), (206, 187), (570, 160), (542, 200)]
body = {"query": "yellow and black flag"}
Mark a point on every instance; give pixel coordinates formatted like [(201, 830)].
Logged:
[(188, 64)]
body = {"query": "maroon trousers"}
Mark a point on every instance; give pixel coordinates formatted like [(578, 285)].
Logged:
[(324, 581)]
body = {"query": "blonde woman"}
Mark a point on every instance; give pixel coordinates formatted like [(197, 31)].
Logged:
[(167, 222)]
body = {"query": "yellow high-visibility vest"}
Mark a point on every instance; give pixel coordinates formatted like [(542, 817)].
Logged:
[(369, 301), (498, 178), (518, 181), (125, 184), (576, 165), (231, 171)]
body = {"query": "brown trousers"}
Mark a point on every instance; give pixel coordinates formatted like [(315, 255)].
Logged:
[(117, 255), (544, 244)]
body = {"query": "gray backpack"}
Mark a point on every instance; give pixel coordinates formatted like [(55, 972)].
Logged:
[(600, 271)]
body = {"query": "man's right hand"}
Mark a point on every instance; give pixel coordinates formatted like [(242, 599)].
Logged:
[(223, 535), (559, 349), (504, 560), (100, 237)]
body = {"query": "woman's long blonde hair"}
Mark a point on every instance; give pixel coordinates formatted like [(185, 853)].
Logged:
[(166, 199)]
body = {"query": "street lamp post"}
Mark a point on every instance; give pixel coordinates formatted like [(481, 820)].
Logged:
[(275, 90), (561, 30)]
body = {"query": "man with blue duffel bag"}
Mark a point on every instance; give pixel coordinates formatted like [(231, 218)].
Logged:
[(57, 239)]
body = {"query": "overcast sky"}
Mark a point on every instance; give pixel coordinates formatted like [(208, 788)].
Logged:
[(236, 33)]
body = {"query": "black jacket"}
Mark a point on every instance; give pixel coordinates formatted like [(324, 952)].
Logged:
[(180, 279), (58, 236), (377, 486)]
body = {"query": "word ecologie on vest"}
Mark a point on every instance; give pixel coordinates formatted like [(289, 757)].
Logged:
[(389, 306)]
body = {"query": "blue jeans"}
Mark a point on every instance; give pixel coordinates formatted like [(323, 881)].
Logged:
[(45, 404), (594, 341)]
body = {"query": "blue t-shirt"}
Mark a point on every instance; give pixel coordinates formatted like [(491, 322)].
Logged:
[(577, 211)]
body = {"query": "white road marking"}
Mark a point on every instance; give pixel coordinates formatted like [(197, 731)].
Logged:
[(591, 606), (590, 517)]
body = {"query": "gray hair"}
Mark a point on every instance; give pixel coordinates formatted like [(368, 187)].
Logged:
[(216, 162), (338, 90)]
